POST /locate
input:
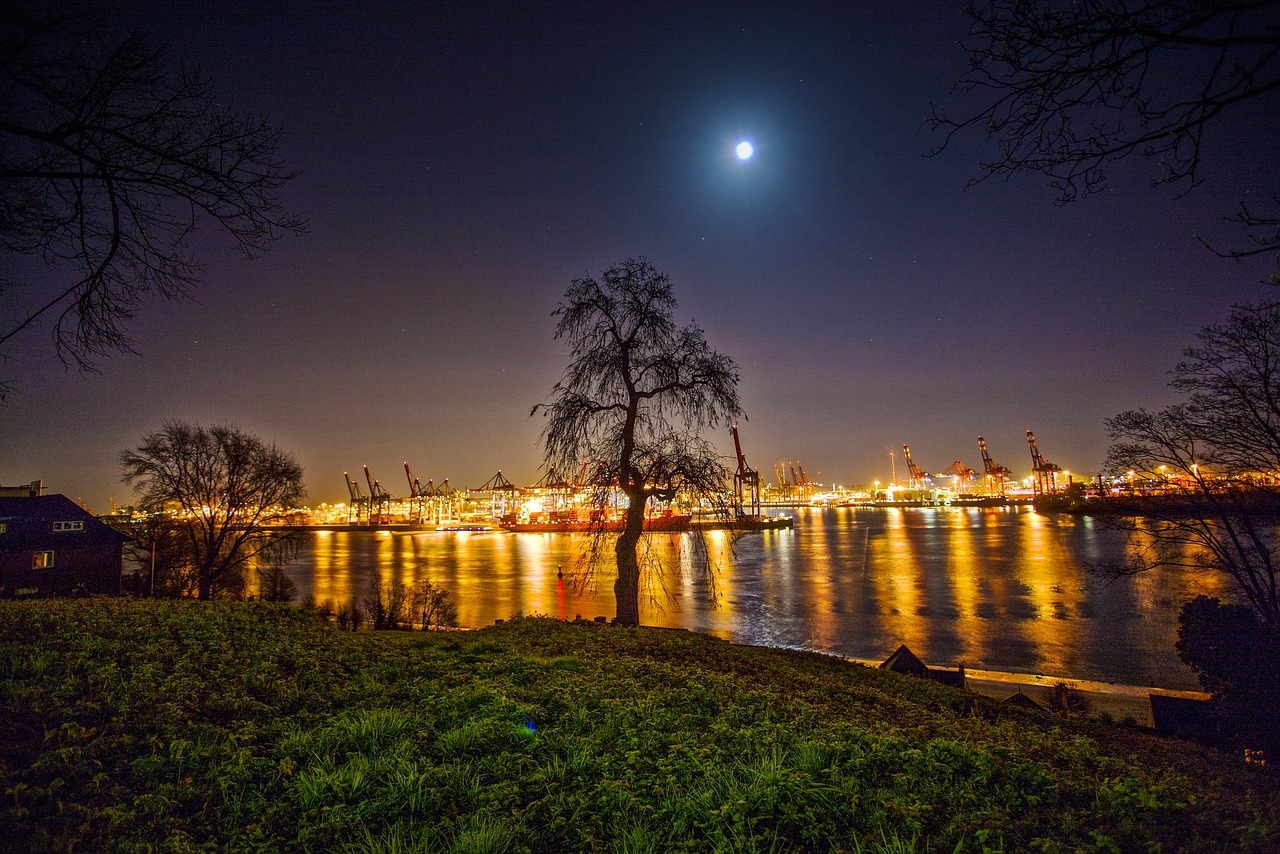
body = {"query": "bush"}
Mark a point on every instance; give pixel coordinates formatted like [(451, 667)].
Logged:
[(386, 606), (1237, 658), (1062, 699)]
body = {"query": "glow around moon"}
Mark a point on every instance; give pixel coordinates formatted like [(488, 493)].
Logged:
[(745, 150)]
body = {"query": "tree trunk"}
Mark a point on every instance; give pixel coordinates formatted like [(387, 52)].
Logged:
[(626, 589)]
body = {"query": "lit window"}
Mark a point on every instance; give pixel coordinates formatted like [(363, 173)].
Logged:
[(4, 527), (42, 560), (77, 525)]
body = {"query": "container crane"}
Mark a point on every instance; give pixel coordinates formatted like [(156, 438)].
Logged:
[(995, 474), (416, 489), (419, 495), (379, 500), (359, 504), (746, 483), (444, 500), (1044, 472), (806, 482), (502, 495), (917, 477), (961, 474)]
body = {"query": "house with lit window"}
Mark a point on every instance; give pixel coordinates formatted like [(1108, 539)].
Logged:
[(50, 546)]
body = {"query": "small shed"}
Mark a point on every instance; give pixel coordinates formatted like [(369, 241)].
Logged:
[(903, 660), (50, 546), (1022, 701)]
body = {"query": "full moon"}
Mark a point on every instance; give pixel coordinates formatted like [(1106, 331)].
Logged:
[(744, 150)]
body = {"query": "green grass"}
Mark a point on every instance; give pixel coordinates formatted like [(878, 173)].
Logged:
[(182, 726)]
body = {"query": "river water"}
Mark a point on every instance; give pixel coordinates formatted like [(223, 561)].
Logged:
[(993, 588)]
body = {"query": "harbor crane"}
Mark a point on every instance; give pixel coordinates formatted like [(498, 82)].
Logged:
[(416, 489), (379, 500), (421, 497), (995, 474), (917, 477), (359, 507), (1045, 473), (746, 483), (502, 495), (806, 482), (961, 474)]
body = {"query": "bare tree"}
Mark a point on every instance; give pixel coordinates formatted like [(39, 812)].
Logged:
[(387, 605), (432, 606), (1065, 89), (156, 548), (1216, 457), (109, 160), (633, 400), (220, 486)]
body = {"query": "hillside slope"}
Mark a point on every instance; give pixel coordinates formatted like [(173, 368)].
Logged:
[(244, 726)]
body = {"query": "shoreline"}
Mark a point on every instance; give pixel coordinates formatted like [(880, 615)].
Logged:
[(1117, 699)]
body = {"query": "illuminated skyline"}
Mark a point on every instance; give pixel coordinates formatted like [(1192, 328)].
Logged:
[(459, 165)]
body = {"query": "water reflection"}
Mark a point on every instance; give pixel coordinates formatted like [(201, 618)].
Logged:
[(994, 588)]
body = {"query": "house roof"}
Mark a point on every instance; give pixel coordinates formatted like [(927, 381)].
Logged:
[(904, 660), (29, 522), (1023, 701)]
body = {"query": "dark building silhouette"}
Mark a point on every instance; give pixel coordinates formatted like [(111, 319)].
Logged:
[(1022, 701), (49, 546), (903, 660)]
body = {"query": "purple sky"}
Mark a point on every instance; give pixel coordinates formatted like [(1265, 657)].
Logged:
[(459, 168)]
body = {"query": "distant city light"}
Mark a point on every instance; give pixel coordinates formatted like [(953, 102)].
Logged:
[(745, 150)]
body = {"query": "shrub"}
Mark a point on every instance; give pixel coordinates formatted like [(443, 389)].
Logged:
[(1237, 658)]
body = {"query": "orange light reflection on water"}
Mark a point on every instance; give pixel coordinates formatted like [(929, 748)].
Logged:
[(994, 588)]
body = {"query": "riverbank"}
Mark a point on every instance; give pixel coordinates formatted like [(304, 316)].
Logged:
[(1117, 700), (144, 724)]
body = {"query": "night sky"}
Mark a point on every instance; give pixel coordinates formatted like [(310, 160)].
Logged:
[(459, 165)]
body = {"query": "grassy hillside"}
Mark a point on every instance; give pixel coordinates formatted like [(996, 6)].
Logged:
[(135, 725)]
